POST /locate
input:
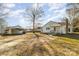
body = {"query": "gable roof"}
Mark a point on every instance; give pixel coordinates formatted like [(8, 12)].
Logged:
[(53, 23), (14, 27)]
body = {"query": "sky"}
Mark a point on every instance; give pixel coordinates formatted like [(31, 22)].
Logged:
[(52, 12), (39, 1)]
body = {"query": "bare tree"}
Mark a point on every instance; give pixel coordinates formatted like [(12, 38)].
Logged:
[(34, 13), (76, 24), (71, 13), (3, 15), (3, 24), (67, 23)]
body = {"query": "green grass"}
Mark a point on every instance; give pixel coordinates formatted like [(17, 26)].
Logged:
[(76, 32)]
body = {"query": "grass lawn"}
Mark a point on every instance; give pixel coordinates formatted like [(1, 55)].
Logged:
[(40, 45), (69, 42), (76, 32)]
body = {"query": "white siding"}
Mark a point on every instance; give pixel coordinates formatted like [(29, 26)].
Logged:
[(58, 28), (51, 26), (45, 30), (63, 29)]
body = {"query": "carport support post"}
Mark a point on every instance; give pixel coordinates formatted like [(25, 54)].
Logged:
[(10, 30), (71, 28)]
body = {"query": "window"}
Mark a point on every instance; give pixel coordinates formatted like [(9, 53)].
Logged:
[(39, 27), (68, 29), (47, 28), (54, 28)]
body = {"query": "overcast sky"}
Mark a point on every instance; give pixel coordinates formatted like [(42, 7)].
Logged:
[(54, 12)]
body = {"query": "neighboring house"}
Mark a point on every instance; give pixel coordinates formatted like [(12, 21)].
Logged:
[(55, 27), (38, 29), (2, 28), (14, 30)]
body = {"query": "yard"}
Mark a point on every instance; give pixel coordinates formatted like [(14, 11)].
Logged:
[(39, 45)]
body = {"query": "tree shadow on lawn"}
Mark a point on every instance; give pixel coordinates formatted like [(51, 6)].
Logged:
[(12, 34), (71, 36)]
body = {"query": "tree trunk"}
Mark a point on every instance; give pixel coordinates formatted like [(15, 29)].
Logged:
[(66, 26), (34, 25)]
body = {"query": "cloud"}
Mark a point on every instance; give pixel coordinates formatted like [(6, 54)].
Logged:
[(57, 11), (18, 16), (5, 8), (22, 22), (16, 13), (10, 5), (6, 11), (41, 4), (38, 5), (56, 18), (52, 12), (56, 6)]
